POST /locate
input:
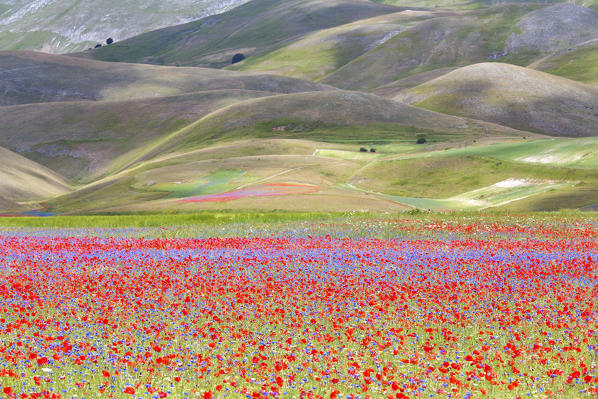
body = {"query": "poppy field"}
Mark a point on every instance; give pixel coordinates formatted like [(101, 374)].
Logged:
[(384, 309)]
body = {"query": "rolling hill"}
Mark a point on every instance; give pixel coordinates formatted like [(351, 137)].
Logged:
[(338, 105), (29, 77), (580, 63), (24, 180), (84, 140), (324, 51), (253, 29), (519, 97), (62, 26), (554, 28), (448, 41)]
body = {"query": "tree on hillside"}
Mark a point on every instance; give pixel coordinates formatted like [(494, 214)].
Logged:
[(109, 40), (98, 45), (238, 58)]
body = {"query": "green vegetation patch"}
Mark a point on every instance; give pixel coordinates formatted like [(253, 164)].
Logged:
[(580, 64), (579, 153), (369, 134), (498, 194), (350, 155), (449, 176), (165, 219), (217, 182)]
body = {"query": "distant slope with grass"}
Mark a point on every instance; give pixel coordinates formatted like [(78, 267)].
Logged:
[(514, 96), (324, 51), (87, 139), (454, 40), (252, 29), (331, 116), (579, 63), (24, 180), (29, 77), (554, 28)]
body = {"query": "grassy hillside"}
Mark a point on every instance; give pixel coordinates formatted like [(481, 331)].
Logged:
[(29, 77), (84, 140), (294, 174), (255, 174), (579, 64), (24, 180), (333, 116), (514, 96), (322, 52), (554, 28), (449, 41), (252, 29)]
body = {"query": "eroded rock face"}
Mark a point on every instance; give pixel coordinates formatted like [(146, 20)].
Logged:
[(554, 28)]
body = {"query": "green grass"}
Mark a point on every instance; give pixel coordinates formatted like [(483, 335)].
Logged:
[(253, 29), (322, 52), (449, 41), (216, 182), (311, 63), (36, 40), (579, 153), (166, 219), (466, 178), (343, 154), (580, 64), (451, 175)]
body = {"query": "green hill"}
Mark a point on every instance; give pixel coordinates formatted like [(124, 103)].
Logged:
[(29, 77), (252, 29), (324, 51), (519, 97), (84, 140), (333, 116), (448, 41), (579, 64)]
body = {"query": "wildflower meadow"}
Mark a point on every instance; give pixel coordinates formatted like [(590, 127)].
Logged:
[(383, 309)]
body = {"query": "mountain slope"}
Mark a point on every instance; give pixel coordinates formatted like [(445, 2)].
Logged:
[(332, 116), (252, 29), (322, 52), (455, 40), (28, 77), (85, 140), (62, 25), (22, 180), (554, 28), (579, 63), (514, 96)]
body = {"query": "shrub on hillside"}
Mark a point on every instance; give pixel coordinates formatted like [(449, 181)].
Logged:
[(421, 140), (238, 58), (109, 40)]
